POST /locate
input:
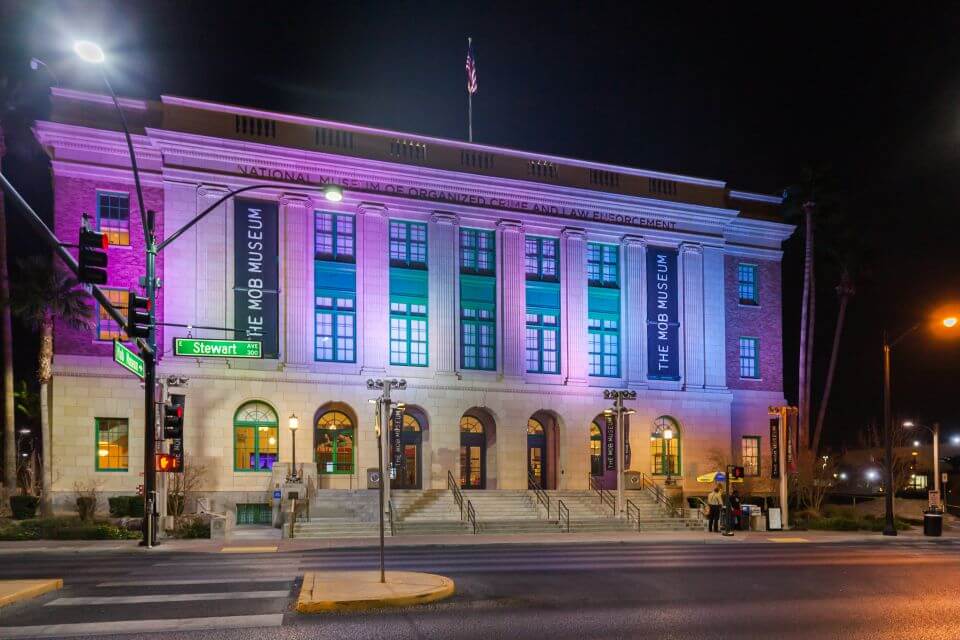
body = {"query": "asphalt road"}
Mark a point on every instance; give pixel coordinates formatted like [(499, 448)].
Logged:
[(727, 589)]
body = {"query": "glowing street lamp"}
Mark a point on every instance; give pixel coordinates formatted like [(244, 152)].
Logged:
[(950, 322), (89, 51), (293, 423)]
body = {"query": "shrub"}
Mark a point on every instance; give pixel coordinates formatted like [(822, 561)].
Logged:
[(192, 527), (119, 506), (86, 506), (24, 507), (65, 529)]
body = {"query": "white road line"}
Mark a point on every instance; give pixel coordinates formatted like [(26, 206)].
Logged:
[(285, 577), (141, 626), (169, 597)]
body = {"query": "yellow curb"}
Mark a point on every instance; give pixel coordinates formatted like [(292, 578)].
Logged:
[(16, 590), (272, 549), (788, 540), (359, 590)]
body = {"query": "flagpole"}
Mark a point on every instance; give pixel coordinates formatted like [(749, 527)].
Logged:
[(469, 103)]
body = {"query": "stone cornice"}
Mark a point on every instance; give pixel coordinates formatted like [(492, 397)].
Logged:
[(442, 217)]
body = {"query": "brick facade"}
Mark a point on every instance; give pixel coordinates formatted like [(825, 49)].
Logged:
[(761, 321)]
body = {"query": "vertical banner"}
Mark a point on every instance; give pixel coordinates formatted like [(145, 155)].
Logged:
[(775, 447), (256, 307), (396, 439), (610, 440), (663, 318)]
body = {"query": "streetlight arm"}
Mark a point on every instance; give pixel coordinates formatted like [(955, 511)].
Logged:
[(893, 343)]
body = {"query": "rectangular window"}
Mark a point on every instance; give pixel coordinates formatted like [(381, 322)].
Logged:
[(113, 216), (542, 259), (336, 321), (543, 343), (602, 265), (747, 284), (604, 346), (112, 436), (408, 334), (255, 446), (107, 327), (476, 251), (408, 244), (750, 455), (917, 482), (749, 354), (478, 338), (334, 236)]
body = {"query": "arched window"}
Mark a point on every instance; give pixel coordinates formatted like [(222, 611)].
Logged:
[(665, 447), (255, 437), (470, 425), (410, 423), (534, 427), (596, 449), (335, 438)]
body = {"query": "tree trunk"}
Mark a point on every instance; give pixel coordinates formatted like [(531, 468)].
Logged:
[(845, 290), (804, 321), (6, 343), (811, 340), (45, 374)]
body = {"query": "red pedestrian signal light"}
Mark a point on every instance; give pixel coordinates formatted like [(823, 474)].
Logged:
[(736, 473), (167, 463), (172, 420)]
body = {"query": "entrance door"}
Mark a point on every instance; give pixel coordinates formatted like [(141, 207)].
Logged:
[(473, 449), (411, 438), (536, 454)]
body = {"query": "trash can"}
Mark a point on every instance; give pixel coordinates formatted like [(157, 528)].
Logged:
[(756, 520), (745, 512), (932, 523)]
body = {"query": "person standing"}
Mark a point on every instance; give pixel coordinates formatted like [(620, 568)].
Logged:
[(714, 502), (736, 509)]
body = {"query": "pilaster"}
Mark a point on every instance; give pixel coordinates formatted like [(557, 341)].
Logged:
[(573, 287), (373, 263), (298, 278), (634, 316), (714, 318), (511, 312), (442, 329), (691, 261), (180, 267), (215, 269)]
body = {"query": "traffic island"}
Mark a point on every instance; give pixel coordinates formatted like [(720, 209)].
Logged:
[(12, 591), (324, 591)]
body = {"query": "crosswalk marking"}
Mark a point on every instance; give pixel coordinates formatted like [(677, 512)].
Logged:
[(169, 597), (284, 577), (142, 626)]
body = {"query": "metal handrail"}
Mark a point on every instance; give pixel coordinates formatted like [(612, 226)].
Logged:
[(472, 516), (538, 491), (390, 512), (563, 513), (605, 496), (455, 488), (703, 505), (631, 507), (660, 496)]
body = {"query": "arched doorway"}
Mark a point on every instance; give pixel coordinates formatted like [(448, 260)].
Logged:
[(411, 438), (596, 448), (334, 443), (536, 454), (665, 448), (473, 454)]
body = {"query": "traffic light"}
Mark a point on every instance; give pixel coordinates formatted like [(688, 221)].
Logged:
[(173, 421), (736, 473), (167, 463), (138, 316), (93, 257)]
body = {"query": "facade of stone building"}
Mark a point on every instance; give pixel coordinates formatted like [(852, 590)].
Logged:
[(508, 288)]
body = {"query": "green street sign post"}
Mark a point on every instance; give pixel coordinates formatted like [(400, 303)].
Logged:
[(209, 348), (127, 359)]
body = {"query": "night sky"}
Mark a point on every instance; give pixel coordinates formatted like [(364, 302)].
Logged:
[(741, 92)]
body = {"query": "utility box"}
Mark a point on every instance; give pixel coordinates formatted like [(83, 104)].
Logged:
[(373, 478)]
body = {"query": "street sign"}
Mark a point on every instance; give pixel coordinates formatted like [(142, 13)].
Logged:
[(127, 359), (209, 348), (277, 494)]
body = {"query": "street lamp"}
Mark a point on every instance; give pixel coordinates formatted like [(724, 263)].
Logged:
[(89, 51), (935, 432), (383, 417), (293, 423), (618, 396)]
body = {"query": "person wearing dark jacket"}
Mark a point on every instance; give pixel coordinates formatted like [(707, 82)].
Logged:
[(736, 509), (714, 502)]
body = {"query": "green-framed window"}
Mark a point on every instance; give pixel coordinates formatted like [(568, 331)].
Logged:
[(113, 216), (336, 327), (543, 343), (335, 439), (750, 455), (408, 332), (255, 437), (107, 327), (749, 357), (112, 438), (603, 265), (335, 236), (665, 447), (604, 345), (477, 251), (747, 289), (408, 244), (478, 337), (542, 259)]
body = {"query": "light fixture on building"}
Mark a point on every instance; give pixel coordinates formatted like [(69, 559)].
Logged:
[(916, 443), (333, 193), (668, 434), (89, 51), (293, 423)]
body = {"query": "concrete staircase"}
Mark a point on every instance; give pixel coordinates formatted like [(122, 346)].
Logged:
[(587, 513), (429, 512), (341, 514), (506, 512)]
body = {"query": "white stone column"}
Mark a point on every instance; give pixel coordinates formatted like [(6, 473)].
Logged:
[(373, 263), (297, 280), (714, 318), (512, 310), (573, 296), (214, 294), (634, 306), (179, 260), (691, 266), (442, 329)]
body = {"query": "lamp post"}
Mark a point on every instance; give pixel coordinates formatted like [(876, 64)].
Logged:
[(618, 396), (293, 423), (935, 432), (383, 419)]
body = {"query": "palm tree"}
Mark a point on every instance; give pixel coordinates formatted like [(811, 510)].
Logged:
[(7, 103), (845, 291), (44, 293)]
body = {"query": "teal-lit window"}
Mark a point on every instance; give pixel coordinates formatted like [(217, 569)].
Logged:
[(542, 259), (543, 343), (255, 437), (336, 324), (113, 216), (408, 333), (747, 284), (334, 236), (408, 244), (749, 355), (602, 265), (476, 251), (604, 343), (113, 444), (478, 338)]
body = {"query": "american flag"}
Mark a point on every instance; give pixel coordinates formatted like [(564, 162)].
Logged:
[(471, 69)]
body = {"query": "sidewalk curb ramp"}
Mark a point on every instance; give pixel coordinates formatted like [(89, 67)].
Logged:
[(12, 591), (324, 591)]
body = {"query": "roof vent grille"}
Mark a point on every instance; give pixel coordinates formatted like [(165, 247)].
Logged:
[(662, 187), (604, 178), (476, 160), (542, 169), (408, 150), (326, 137), (255, 127)]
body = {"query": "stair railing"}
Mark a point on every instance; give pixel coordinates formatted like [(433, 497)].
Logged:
[(633, 511), (563, 513), (660, 496), (472, 516), (605, 496), (542, 497), (390, 512), (455, 488)]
